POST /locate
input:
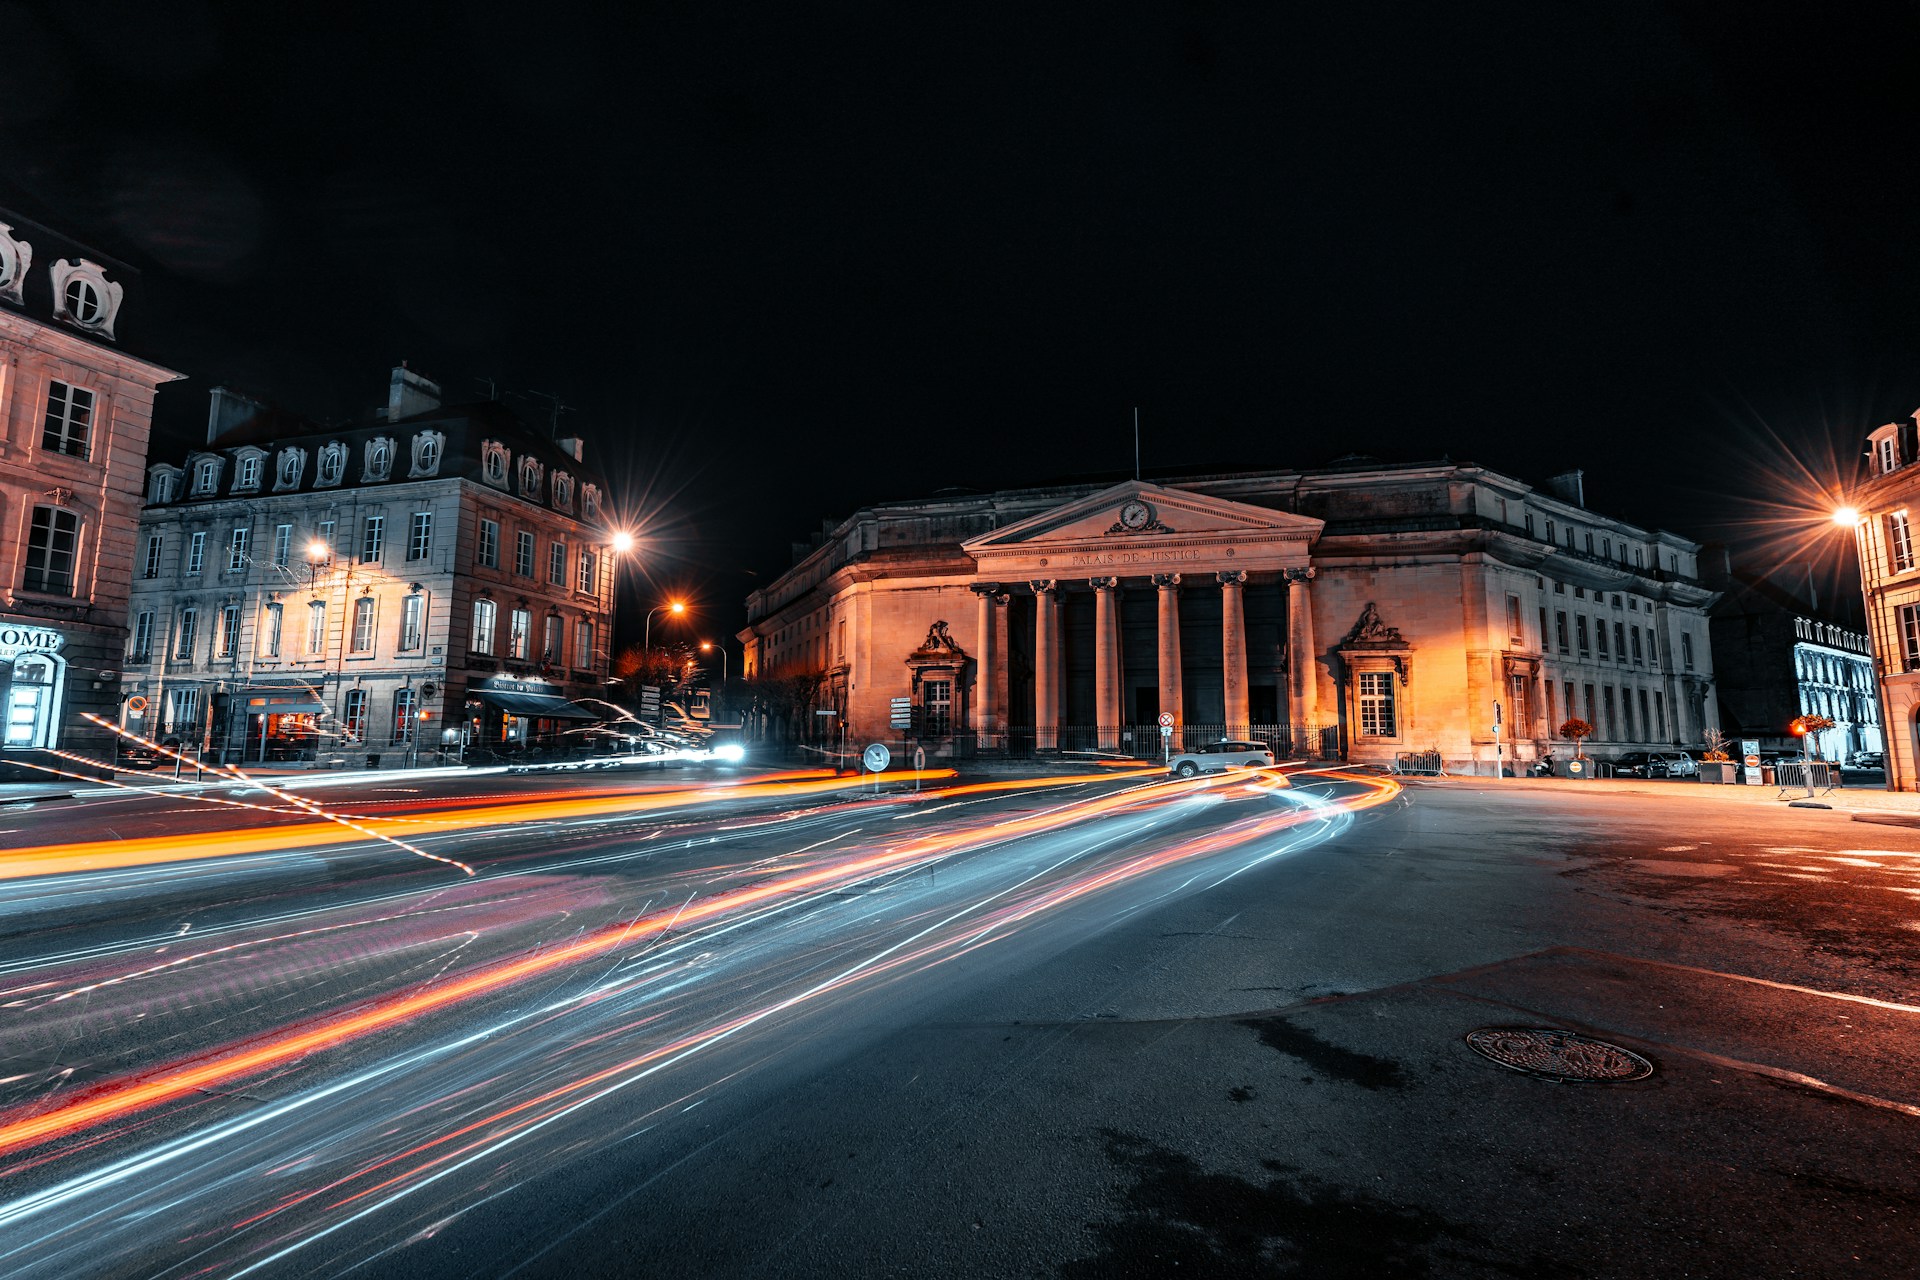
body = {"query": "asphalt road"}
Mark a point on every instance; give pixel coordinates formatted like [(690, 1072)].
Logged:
[(1099, 1029)]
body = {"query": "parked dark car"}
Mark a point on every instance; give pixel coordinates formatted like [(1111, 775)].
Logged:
[(1654, 764), (1868, 760), (135, 756)]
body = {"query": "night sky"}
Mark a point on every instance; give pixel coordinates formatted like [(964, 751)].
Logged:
[(782, 264)]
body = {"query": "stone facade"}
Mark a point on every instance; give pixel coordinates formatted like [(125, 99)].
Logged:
[(432, 580), (1361, 611), (75, 412), (1890, 582)]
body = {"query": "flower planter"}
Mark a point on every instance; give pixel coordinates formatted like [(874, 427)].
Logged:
[(1719, 771), (1576, 769)]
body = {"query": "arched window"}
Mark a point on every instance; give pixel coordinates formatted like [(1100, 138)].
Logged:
[(426, 453), (292, 463), (493, 463), (333, 462), (379, 458), (530, 477), (83, 301), (562, 490)]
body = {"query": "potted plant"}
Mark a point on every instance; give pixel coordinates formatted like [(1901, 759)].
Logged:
[(1716, 765), (1578, 767)]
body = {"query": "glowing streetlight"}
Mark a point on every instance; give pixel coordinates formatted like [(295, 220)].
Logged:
[(675, 607), (1846, 517), (708, 646), (622, 541)]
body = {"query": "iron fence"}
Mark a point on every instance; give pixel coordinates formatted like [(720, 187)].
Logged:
[(1143, 741)]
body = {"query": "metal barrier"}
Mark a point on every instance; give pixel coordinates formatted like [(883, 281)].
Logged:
[(1419, 763), (1800, 775)]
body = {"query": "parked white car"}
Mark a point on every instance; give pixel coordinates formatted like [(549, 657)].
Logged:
[(1225, 754)]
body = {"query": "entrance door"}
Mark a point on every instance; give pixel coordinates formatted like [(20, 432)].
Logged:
[(1263, 704), (1146, 705)]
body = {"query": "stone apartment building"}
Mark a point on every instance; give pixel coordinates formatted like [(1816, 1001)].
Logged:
[(75, 411), (1361, 610), (1775, 659), (433, 580), (1881, 516)]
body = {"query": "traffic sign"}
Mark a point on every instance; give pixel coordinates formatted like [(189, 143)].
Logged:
[(1752, 762), (900, 713), (876, 757), (1166, 719), (136, 704), (1166, 731)]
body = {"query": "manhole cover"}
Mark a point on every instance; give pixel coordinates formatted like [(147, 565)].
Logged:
[(1558, 1055)]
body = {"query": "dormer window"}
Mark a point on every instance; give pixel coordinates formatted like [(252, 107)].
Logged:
[(206, 477), (1889, 452), (16, 256), (426, 454), (333, 463), (292, 465), (379, 459), (160, 487), (246, 477), (590, 501), (83, 296), (563, 491), (493, 463), (531, 473)]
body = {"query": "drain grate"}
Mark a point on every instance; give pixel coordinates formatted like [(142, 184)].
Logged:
[(1551, 1054)]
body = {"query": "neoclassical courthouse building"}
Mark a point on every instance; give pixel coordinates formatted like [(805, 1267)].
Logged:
[(1358, 611)]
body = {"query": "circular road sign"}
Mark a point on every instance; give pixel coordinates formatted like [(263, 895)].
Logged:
[(136, 704), (1753, 762), (876, 757), (1166, 719)]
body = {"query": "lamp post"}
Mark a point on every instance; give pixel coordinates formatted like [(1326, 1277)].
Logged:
[(708, 646), (1851, 517), (674, 607)]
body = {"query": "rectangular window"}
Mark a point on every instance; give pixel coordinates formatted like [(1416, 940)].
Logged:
[(326, 540), (1552, 710), (373, 534), (584, 657), (282, 545), (1599, 635), (1636, 647), (420, 536), (1607, 733), (483, 616), (1549, 531), (69, 422), (589, 564), (142, 637), (1606, 548), (1899, 542), (270, 631), (229, 633), (355, 719), (557, 563), (1544, 641), (53, 548), (1889, 455), (519, 634), (1580, 633), (189, 631), (550, 652), (1646, 720), (1686, 650), (1513, 619), (523, 553), (196, 552), (185, 717), (1620, 640), (156, 547), (237, 550), (1659, 716), (363, 615), (317, 628), (406, 705), (487, 553), (249, 477), (1589, 544), (1910, 635), (936, 698), (1593, 710), (1560, 629), (413, 616), (1376, 704), (1529, 524)]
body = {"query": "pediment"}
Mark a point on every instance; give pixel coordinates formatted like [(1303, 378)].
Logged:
[(1104, 518), (1137, 527)]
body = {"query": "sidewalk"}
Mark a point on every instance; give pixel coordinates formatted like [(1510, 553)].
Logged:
[(162, 782), (1865, 803)]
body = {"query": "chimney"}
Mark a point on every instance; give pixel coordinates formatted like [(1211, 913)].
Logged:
[(571, 446), (409, 393), (227, 409), (1568, 486)]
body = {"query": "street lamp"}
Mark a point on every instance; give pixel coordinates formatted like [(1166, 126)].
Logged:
[(675, 607), (1851, 517), (708, 646)]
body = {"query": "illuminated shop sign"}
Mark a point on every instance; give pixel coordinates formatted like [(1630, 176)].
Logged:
[(15, 641)]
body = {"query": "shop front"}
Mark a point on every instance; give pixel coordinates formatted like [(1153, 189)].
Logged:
[(518, 718), (275, 724), (33, 674)]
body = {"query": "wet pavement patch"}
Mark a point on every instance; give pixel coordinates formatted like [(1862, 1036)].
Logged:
[(1179, 1219), (1343, 1064), (1549, 1053)]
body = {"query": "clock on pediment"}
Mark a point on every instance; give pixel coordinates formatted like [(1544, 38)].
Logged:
[(1137, 517)]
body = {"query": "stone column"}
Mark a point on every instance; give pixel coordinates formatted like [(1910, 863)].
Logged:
[(987, 677), (1170, 693), (1303, 688), (1046, 673), (1106, 663), (1233, 645)]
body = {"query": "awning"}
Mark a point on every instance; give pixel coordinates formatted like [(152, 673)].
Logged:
[(536, 706), (281, 700)]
